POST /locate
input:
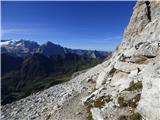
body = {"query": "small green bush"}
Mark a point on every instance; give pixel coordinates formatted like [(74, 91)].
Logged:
[(99, 102), (135, 86), (89, 117), (122, 117), (138, 85), (121, 102), (107, 98), (133, 102), (136, 116), (88, 105)]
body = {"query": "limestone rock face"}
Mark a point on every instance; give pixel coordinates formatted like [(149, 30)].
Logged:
[(125, 87), (140, 18)]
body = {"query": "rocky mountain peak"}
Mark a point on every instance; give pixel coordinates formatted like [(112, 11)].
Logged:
[(49, 43), (140, 18), (145, 13), (28, 48)]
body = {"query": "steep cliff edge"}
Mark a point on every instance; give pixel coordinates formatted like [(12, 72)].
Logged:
[(132, 76), (125, 87)]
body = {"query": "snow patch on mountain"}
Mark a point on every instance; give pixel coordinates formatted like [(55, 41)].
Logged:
[(27, 47)]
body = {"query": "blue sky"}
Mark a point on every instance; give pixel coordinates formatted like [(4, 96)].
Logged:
[(84, 25)]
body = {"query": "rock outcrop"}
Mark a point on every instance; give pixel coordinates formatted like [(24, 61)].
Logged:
[(125, 87)]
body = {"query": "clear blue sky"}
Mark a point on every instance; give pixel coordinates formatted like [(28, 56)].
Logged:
[(85, 25)]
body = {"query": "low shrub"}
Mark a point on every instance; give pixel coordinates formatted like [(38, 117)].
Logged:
[(89, 117), (130, 103), (136, 116), (122, 117), (99, 102), (135, 86), (122, 102), (133, 102)]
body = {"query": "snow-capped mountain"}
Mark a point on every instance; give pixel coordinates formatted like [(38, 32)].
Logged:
[(19, 47), (27, 47)]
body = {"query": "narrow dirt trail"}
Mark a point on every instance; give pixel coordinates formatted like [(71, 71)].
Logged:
[(73, 109)]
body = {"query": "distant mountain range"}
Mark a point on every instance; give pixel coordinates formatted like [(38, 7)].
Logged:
[(27, 67), (27, 48)]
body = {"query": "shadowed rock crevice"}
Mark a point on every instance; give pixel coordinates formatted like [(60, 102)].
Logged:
[(148, 10)]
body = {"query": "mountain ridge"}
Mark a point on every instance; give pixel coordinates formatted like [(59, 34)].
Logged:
[(27, 47)]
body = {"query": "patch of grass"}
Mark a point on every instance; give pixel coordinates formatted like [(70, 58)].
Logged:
[(136, 116), (99, 102), (135, 86), (130, 103), (108, 98), (89, 117), (122, 117), (88, 105), (122, 102), (133, 102)]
